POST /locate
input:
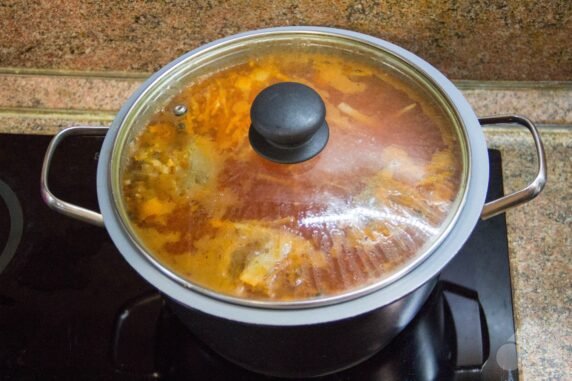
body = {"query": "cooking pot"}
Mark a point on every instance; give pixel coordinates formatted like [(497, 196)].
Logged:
[(308, 337)]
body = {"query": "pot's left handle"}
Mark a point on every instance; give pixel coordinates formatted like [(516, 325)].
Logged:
[(55, 203)]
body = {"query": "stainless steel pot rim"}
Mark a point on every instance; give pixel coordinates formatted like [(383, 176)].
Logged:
[(451, 243)]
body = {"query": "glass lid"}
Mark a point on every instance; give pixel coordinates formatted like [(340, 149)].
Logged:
[(289, 169)]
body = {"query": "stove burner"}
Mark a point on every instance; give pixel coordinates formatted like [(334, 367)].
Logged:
[(16, 224)]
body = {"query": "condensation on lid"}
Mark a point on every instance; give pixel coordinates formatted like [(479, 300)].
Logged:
[(379, 197)]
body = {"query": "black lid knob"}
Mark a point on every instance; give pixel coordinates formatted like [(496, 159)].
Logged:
[(288, 123)]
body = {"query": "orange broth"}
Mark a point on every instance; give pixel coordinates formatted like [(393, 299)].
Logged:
[(219, 215)]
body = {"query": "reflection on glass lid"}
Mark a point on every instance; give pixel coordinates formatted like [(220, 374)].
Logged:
[(216, 213)]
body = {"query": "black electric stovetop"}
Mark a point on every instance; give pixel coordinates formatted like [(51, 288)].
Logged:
[(72, 308)]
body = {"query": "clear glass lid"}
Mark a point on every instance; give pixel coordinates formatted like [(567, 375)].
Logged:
[(217, 212)]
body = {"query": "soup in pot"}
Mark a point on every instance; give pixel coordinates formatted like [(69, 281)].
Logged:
[(217, 214)]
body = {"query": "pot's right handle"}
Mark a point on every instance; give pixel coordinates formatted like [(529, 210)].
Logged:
[(500, 205), (55, 203)]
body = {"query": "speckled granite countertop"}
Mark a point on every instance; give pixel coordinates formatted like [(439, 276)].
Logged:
[(540, 239), (510, 39), (540, 248)]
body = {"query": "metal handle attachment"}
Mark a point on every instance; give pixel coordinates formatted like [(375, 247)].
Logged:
[(55, 203), (500, 205)]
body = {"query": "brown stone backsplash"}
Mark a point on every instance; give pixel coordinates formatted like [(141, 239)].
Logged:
[(480, 39)]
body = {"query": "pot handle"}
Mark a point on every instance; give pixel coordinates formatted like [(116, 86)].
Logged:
[(532, 190), (55, 203)]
